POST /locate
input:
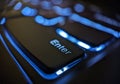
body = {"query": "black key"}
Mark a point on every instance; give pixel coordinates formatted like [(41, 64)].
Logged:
[(91, 37), (45, 46), (87, 22), (98, 14)]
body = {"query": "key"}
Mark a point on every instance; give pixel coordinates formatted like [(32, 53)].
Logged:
[(46, 47), (98, 15), (84, 36), (87, 22)]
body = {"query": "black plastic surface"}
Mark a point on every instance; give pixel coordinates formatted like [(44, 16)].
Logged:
[(43, 43)]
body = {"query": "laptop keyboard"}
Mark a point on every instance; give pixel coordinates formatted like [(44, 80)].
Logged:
[(67, 30)]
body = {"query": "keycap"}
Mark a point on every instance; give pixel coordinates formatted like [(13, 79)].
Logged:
[(43, 43), (91, 39), (2, 20), (87, 22), (95, 14)]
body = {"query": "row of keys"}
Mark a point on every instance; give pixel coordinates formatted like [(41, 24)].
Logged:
[(75, 17), (80, 8), (100, 16), (80, 23), (27, 11)]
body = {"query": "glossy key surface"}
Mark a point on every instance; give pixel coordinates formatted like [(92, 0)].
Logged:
[(43, 43), (86, 34)]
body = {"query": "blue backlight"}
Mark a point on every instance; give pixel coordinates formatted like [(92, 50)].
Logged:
[(15, 60), (62, 70), (36, 68), (18, 6), (86, 46), (100, 47), (46, 5), (3, 20), (72, 39), (49, 22), (62, 11), (27, 11), (87, 22), (82, 44), (62, 33), (72, 64), (95, 59), (79, 8)]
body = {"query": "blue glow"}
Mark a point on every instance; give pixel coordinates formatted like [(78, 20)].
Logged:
[(57, 1), (18, 6), (35, 2), (17, 63), (62, 11), (107, 20), (49, 22), (62, 70), (100, 47), (59, 72), (79, 8), (62, 33), (3, 21), (36, 68), (94, 25), (72, 39), (119, 34), (46, 5), (95, 59), (81, 43), (86, 46), (27, 11), (65, 68)]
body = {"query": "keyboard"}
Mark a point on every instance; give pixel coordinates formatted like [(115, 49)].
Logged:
[(52, 37)]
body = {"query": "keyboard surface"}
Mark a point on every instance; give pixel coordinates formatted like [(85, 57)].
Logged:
[(55, 36)]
